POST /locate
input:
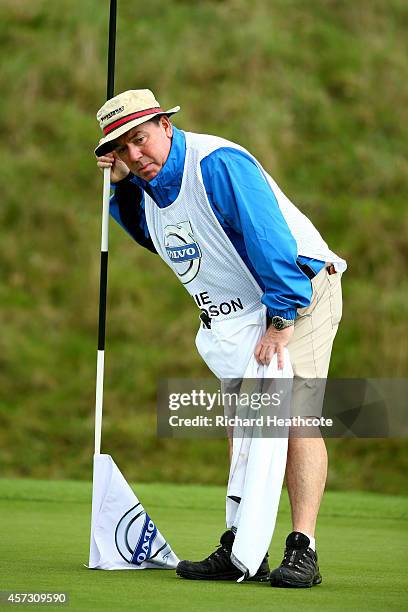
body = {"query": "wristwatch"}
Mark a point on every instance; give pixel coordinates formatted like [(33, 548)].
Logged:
[(281, 323)]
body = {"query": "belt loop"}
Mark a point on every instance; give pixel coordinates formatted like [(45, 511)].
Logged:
[(306, 270)]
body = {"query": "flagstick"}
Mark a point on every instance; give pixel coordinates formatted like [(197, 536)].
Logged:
[(104, 245), (102, 311)]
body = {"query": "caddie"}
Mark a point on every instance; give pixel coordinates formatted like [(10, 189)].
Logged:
[(256, 267)]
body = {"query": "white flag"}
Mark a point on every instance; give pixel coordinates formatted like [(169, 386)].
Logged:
[(123, 536)]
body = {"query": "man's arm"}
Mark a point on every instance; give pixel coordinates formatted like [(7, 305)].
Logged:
[(127, 208), (250, 213), (239, 191)]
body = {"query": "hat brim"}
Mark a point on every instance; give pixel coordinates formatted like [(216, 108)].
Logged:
[(106, 145)]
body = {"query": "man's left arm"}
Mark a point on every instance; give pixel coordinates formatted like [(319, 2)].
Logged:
[(249, 211)]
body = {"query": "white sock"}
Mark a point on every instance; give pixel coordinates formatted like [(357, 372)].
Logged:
[(312, 544)]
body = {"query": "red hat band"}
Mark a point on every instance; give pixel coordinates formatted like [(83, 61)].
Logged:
[(128, 118)]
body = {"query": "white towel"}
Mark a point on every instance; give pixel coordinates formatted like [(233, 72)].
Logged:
[(258, 464), (256, 475)]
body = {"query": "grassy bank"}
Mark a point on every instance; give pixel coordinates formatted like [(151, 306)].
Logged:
[(314, 90)]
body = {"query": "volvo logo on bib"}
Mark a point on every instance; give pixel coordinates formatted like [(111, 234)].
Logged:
[(182, 250)]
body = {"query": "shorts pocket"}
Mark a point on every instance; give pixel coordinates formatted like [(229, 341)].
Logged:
[(318, 284), (336, 299), (307, 310)]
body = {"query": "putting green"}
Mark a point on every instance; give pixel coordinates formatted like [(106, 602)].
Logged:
[(362, 544)]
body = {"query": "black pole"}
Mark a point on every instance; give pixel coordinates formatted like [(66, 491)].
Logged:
[(104, 253), (111, 50), (102, 300)]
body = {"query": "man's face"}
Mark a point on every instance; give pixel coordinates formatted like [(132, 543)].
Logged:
[(145, 148)]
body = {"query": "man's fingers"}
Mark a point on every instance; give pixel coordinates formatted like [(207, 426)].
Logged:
[(272, 349), (105, 161), (102, 164), (260, 353), (257, 351), (280, 356), (264, 353)]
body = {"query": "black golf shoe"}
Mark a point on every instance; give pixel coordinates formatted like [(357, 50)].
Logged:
[(299, 567), (218, 566)]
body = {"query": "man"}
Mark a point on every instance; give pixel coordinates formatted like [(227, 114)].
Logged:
[(244, 252)]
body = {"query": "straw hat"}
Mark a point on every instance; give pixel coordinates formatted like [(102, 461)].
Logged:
[(124, 112)]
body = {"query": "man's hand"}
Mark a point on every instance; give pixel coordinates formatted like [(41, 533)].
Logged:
[(273, 341), (119, 169)]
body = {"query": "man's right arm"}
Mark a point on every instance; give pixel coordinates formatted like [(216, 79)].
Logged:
[(127, 208)]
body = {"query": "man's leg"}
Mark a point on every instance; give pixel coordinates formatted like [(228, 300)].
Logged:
[(310, 350), (306, 473)]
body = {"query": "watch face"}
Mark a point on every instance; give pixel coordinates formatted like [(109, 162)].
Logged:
[(278, 322)]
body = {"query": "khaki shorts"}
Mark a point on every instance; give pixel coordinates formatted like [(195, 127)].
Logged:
[(311, 344)]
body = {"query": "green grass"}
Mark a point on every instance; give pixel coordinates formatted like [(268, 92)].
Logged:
[(45, 533)]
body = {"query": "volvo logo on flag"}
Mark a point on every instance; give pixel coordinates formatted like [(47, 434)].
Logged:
[(143, 548), (182, 250), (138, 540), (135, 534)]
